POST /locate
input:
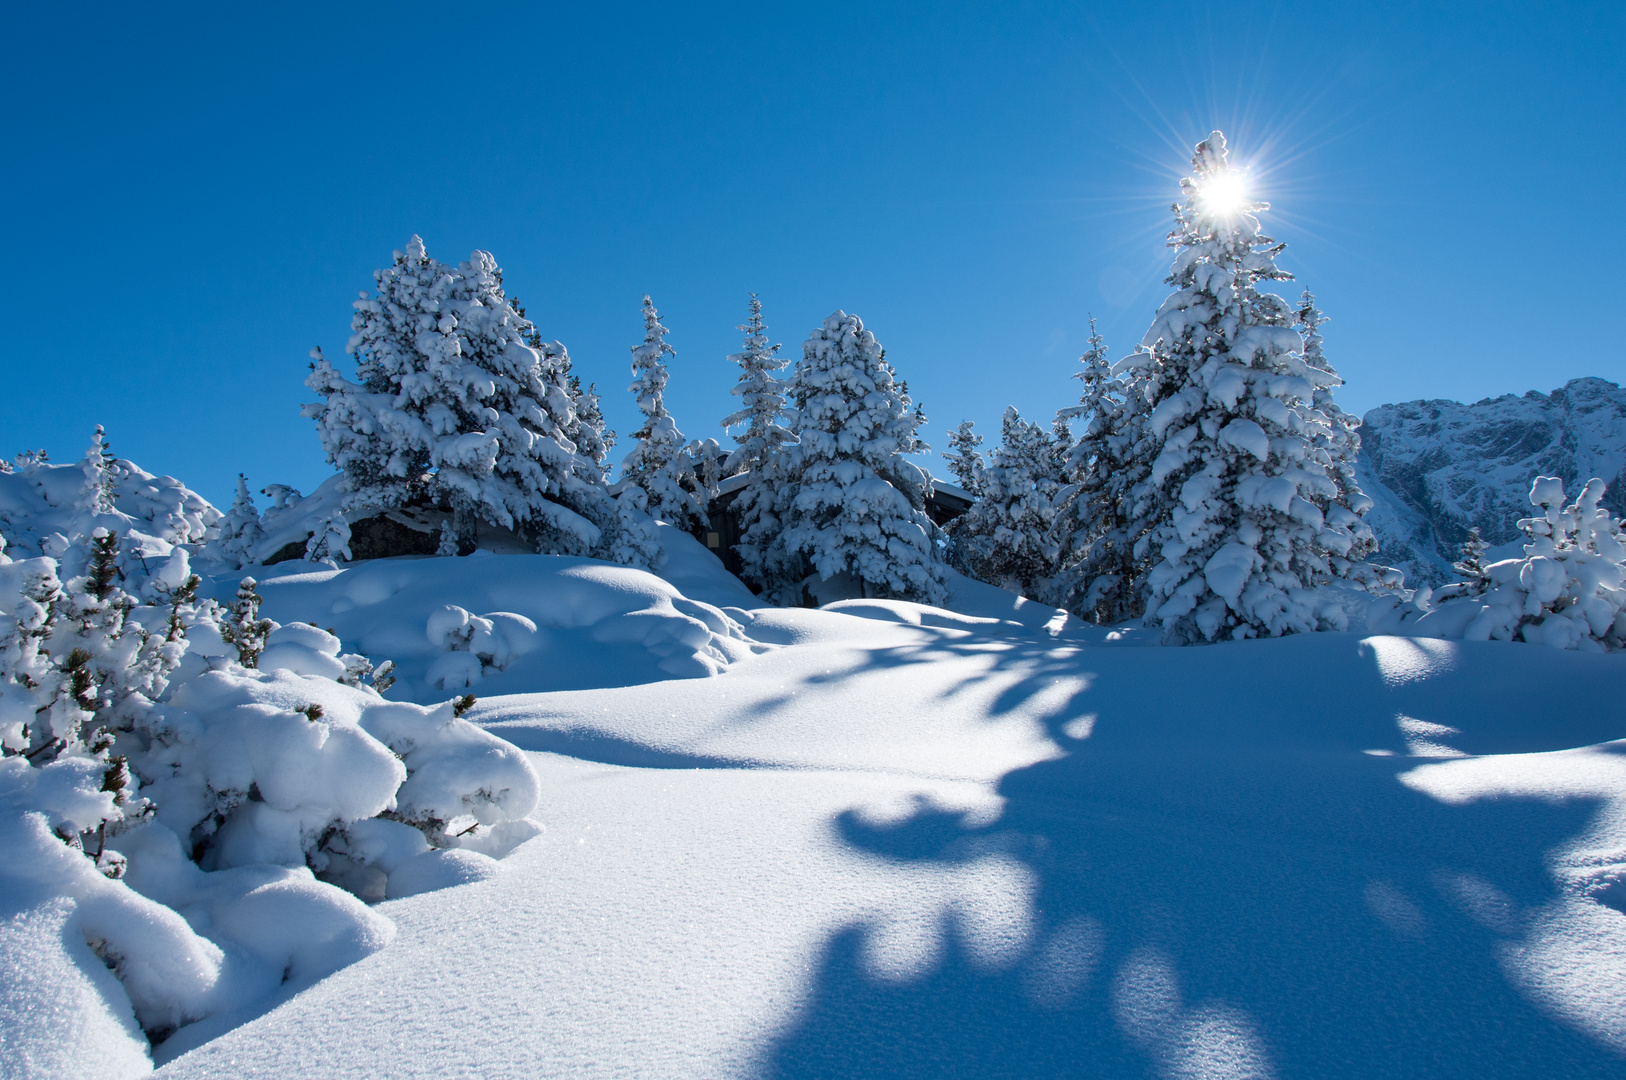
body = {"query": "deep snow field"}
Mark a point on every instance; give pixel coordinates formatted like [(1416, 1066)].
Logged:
[(884, 840)]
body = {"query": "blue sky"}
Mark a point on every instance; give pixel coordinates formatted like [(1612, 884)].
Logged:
[(193, 197)]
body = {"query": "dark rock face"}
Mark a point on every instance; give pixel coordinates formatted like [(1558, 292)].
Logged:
[(390, 534), (377, 537), (1438, 468)]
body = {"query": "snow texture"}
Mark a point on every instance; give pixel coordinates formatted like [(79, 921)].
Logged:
[(900, 848), (499, 624)]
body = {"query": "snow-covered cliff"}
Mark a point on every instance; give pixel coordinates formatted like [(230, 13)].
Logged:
[(1437, 468)]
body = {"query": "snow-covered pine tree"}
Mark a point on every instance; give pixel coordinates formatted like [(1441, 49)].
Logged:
[(1337, 445), (762, 397), (239, 529), (966, 462), (95, 502), (330, 542), (658, 464), (1005, 538), (1233, 504), (1099, 574), (243, 627), (592, 438), (847, 503), (452, 407), (1475, 581)]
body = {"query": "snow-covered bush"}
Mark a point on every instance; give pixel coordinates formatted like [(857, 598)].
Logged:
[(453, 408), (1244, 511), (149, 769), (1568, 591), (42, 503), (844, 500)]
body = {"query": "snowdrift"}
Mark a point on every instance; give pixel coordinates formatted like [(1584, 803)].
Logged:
[(899, 849), (502, 624)]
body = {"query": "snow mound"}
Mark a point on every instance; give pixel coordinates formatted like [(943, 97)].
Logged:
[(39, 500), (502, 624)]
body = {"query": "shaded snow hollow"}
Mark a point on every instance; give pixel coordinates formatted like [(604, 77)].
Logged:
[(907, 842)]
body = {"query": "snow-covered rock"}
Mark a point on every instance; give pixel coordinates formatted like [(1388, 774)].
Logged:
[(1438, 468)]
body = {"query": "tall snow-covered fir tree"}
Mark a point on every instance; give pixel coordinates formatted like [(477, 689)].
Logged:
[(847, 504), (762, 398), (1233, 509), (452, 407), (1006, 537), (658, 464), (1100, 575)]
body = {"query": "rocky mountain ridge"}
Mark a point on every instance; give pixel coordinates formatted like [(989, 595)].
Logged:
[(1437, 468)]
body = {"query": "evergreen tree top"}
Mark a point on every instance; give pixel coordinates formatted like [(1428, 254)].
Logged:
[(649, 371)]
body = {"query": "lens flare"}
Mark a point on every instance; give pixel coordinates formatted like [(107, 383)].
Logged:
[(1224, 194)]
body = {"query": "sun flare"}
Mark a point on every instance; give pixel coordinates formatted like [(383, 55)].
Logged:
[(1225, 193)]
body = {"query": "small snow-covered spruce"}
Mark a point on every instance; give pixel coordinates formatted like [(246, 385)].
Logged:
[(1234, 506), (762, 398), (1475, 581), (966, 463), (592, 438), (1101, 551), (658, 464), (243, 627), (848, 507), (452, 407), (239, 529), (1005, 538), (101, 479), (115, 667)]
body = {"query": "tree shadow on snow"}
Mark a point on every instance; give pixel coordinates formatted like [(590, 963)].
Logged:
[(1226, 881)]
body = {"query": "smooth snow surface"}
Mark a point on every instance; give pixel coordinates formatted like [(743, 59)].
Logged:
[(906, 843)]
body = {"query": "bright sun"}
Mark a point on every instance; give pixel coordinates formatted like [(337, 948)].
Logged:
[(1224, 194)]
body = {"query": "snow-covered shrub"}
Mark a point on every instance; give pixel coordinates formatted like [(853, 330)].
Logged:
[(474, 644), (41, 504), (147, 771), (844, 500), (1568, 591)]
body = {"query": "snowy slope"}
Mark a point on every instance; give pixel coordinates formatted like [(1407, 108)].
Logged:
[(899, 850), (1437, 468)]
